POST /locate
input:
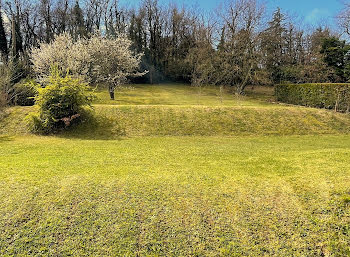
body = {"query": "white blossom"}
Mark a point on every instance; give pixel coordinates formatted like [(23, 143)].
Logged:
[(65, 53), (107, 60)]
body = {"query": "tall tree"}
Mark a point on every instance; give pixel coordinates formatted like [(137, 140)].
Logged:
[(16, 37), (273, 45), (46, 15), (137, 32), (344, 18), (240, 58), (61, 16), (334, 51), (3, 39), (78, 23)]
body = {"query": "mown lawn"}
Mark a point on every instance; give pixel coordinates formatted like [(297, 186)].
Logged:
[(173, 170), (175, 196), (180, 94), (179, 110)]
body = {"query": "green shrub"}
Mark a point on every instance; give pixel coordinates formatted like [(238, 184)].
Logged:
[(25, 92), (329, 96), (61, 103)]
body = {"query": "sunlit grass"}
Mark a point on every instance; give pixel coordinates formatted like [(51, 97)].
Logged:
[(167, 171), (114, 121), (282, 196), (180, 94)]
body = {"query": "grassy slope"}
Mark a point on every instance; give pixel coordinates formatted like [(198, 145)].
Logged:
[(80, 194), (281, 196), (177, 110)]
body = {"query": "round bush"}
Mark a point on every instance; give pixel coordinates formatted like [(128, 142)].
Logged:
[(60, 103)]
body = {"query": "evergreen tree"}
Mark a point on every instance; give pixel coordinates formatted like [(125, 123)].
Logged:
[(273, 43), (79, 29), (16, 37), (3, 40), (137, 33), (19, 41), (335, 53)]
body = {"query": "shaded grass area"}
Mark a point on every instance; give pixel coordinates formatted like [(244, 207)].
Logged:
[(177, 196)]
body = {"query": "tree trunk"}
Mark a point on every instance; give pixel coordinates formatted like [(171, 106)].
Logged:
[(337, 102), (111, 92), (242, 86)]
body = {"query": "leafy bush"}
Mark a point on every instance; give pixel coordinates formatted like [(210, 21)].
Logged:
[(25, 92), (329, 96), (61, 103)]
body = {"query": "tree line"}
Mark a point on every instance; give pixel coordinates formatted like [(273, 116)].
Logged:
[(236, 45)]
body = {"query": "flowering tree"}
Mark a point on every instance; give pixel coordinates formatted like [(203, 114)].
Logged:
[(113, 61), (64, 53), (99, 59)]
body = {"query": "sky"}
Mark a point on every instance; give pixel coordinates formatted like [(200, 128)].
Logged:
[(312, 12)]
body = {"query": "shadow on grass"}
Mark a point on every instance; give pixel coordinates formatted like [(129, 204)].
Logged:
[(95, 128), (6, 138)]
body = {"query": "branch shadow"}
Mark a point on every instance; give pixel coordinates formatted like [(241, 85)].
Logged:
[(95, 128), (6, 138)]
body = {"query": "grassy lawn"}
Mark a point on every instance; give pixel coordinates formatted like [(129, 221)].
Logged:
[(164, 171), (171, 196), (178, 110), (179, 94)]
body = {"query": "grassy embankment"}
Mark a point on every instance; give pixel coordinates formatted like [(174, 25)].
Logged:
[(178, 110), (229, 189)]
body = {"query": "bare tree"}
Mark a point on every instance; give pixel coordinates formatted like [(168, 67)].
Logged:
[(239, 56), (344, 19)]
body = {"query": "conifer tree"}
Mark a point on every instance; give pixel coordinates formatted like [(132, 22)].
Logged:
[(3, 39), (16, 37), (273, 43), (79, 29)]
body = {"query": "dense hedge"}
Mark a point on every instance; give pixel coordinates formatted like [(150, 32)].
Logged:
[(329, 96)]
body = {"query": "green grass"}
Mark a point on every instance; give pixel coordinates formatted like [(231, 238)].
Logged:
[(177, 110), (211, 121), (13, 120), (142, 120), (165, 171), (179, 94), (198, 196)]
